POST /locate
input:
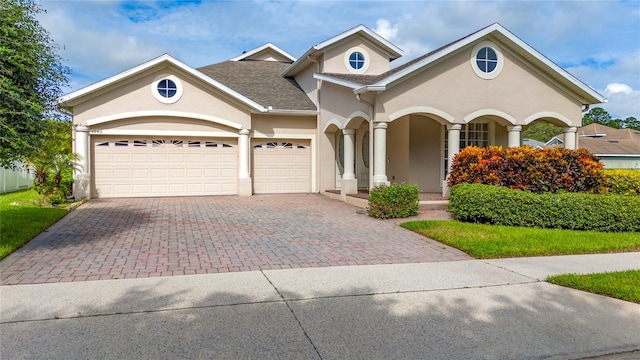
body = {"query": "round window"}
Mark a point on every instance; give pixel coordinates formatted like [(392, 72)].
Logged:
[(167, 88), (486, 59), (356, 60)]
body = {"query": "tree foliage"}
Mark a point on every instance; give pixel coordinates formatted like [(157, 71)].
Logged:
[(53, 161), (31, 77), (601, 116), (541, 131)]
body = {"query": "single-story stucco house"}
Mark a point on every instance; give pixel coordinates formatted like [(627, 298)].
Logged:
[(339, 117), (616, 148)]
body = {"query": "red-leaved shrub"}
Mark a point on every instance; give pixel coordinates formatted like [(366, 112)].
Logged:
[(525, 168)]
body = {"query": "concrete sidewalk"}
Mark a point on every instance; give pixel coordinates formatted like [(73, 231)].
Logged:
[(445, 310)]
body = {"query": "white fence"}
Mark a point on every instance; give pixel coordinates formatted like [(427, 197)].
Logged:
[(12, 180)]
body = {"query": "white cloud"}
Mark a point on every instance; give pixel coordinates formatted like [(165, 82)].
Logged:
[(616, 88), (623, 101), (386, 30)]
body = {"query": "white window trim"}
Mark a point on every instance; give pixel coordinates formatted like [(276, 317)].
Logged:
[(365, 66), (162, 99), (481, 74)]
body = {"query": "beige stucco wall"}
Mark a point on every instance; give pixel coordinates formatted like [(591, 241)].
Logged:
[(398, 150), (451, 86), (136, 95), (166, 124), (425, 153), (327, 160), (308, 84), (334, 57), (338, 104), (283, 125)]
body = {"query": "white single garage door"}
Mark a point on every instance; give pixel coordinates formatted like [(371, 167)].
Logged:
[(137, 166), (281, 166)]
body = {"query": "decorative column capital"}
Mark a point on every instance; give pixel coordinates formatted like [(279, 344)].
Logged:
[(81, 128), (380, 125), (454, 127), (517, 128), (570, 129), (244, 131), (349, 131)]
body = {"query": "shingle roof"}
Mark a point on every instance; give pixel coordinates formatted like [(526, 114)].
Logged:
[(610, 141), (262, 82)]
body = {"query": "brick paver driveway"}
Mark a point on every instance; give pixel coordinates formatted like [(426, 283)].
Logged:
[(144, 237)]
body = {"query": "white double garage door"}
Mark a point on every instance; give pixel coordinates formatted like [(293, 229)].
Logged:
[(174, 166)]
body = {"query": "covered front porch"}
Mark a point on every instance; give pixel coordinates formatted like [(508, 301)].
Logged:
[(418, 148)]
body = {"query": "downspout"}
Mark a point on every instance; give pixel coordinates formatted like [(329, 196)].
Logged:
[(371, 109)]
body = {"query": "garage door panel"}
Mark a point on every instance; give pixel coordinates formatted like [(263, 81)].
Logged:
[(281, 166), (121, 158), (158, 158), (161, 167), (141, 159)]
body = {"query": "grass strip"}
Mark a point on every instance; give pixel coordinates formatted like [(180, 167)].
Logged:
[(22, 218), (624, 285), (491, 241)]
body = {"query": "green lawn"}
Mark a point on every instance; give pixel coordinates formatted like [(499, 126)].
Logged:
[(623, 285), (491, 241), (22, 222)]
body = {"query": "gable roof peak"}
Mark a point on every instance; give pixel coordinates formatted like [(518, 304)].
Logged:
[(385, 45), (268, 47)]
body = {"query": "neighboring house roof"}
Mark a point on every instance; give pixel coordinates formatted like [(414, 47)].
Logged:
[(72, 98), (533, 143), (267, 48), (606, 141), (583, 92), (262, 82), (393, 51)]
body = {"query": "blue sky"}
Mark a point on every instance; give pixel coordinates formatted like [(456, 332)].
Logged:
[(597, 41)]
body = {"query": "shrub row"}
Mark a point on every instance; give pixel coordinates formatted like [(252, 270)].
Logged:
[(394, 201), (579, 211), (525, 168), (623, 182)]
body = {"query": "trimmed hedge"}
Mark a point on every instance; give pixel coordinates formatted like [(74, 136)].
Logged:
[(524, 168), (623, 182), (578, 211), (394, 201)]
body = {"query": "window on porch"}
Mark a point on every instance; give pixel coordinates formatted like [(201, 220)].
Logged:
[(472, 134)]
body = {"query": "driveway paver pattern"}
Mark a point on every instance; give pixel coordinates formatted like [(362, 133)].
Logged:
[(150, 237)]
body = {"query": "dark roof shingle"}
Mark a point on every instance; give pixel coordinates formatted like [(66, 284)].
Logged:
[(262, 82)]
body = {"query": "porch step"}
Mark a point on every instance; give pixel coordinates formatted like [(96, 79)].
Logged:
[(434, 205)]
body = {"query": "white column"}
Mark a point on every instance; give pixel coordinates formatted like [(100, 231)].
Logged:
[(243, 151), (244, 154), (454, 143), (514, 135), (570, 137), (82, 177), (380, 153), (453, 147), (349, 157)]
